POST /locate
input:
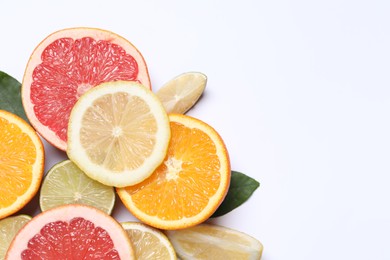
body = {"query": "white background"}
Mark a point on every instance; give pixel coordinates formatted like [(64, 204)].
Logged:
[(299, 90)]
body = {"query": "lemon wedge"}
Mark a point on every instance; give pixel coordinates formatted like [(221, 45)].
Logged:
[(206, 241), (182, 92)]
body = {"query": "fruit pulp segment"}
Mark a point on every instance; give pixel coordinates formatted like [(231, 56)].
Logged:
[(17, 155), (206, 249), (222, 234), (147, 245), (70, 67), (76, 239), (8, 229), (118, 131), (67, 184), (183, 185)]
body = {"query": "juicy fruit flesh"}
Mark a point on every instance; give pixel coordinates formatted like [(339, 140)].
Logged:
[(181, 93), (67, 184), (8, 229), (147, 245), (206, 250), (16, 162), (208, 241), (113, 130), (185, 174), (76, 239), (118, 133), (69, 68)]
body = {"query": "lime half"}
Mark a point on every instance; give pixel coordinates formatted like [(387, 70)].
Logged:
[(9, 227), (65, 183)]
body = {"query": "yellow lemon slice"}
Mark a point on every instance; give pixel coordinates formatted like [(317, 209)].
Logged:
[(148, 242), (118, 133)]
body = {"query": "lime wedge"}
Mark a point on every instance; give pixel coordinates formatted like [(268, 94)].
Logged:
[(65, 183), (9, 227), (148, 242), (181, 93)]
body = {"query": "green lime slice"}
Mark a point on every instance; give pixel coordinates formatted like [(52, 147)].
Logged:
[(65, 183), (9, 227)]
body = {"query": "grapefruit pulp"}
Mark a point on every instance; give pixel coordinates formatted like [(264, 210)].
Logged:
[(71, 232), (65, 65)]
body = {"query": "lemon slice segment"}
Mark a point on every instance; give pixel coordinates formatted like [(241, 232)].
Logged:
[(207, 241), (148, 242), (65, 184), (182, 92), (118, 133)]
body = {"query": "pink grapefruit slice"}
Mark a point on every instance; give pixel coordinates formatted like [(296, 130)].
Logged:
[(71, 232), (65, 65)]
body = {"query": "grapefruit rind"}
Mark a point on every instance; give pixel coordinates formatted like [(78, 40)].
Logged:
[(214, 201), (77, 153), (76, 33), (37, 167), (66, 213)]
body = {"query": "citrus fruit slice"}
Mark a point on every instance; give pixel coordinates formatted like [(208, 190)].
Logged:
[(181, 93), (189, 185), (21, 163), (65, 65), (65, 183), (8, 229), (118, 133), (148, 242), (214, 242), (71, 232)]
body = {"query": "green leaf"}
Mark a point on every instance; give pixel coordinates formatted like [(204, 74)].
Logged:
[(10, 98), (240, 190)]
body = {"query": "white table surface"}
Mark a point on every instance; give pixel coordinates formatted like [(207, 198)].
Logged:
[(299, 90)]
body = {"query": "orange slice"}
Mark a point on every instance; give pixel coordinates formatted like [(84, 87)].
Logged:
[(21, 163), (189, 185), (65, 65)]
